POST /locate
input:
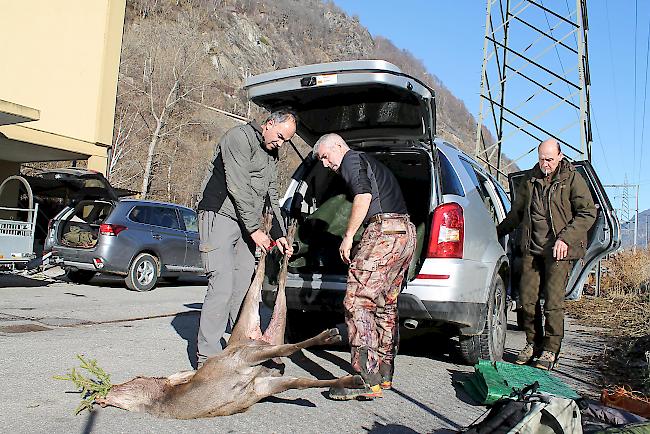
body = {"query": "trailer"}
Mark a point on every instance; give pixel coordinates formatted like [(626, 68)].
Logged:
[(16, 234)]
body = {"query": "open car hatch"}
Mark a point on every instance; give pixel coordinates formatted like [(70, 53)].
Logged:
[(360, 100)]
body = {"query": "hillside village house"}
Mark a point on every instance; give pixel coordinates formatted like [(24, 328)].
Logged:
[(58, 81)]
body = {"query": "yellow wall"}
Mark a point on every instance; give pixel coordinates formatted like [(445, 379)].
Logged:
[(62, 58)]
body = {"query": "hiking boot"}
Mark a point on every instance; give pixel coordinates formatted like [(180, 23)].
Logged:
[(526, 354), (386, 373), (386, 383), (546, 361), (364, 393)]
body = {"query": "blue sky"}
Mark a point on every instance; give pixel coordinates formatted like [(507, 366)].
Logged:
[(448, 38)]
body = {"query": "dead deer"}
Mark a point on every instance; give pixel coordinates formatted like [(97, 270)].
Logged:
[(237, 378)]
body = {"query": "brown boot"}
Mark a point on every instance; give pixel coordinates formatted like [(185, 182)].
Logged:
[(546, 361)]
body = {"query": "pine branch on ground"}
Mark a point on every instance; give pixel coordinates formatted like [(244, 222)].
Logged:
[(90, 387)]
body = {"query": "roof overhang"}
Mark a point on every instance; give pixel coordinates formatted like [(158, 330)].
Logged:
[(12, 113)]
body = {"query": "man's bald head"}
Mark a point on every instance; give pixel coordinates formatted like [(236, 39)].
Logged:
[(549, 155)]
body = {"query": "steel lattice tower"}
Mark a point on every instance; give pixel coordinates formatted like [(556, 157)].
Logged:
[(534, 81)]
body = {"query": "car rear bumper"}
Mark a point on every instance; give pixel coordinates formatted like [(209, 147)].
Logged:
[(85, 265), (469, 318)]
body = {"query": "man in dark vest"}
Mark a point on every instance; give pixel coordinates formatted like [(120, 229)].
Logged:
[(241, 178), (555, 209), (377, 269)]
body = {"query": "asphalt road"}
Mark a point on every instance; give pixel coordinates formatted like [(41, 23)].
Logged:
[(43, 325)]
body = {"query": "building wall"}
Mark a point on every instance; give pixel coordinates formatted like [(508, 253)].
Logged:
[(62, 58)]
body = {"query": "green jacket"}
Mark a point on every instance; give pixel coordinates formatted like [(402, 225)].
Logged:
[(572, 209)]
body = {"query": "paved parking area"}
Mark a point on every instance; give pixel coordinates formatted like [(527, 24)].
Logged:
[(43, 325)]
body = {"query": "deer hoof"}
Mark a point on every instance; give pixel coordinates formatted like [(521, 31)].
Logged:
[(331, 336), (353, 382)]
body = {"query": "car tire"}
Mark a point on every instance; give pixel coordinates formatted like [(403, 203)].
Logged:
[(489, 345), (80, 276), (143, 273)]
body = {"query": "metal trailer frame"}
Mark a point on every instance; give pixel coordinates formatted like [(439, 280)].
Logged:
[(17, 236)]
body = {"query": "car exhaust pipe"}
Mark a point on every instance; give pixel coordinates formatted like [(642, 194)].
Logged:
[(410, 324)]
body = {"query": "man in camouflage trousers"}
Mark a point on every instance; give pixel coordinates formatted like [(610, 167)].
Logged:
[(377, 269), (555, 209)]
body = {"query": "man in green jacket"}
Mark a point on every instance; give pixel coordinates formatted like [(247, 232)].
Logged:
[(554, 208), (241, 178)]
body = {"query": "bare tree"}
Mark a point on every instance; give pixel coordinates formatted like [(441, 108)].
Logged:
[(169, 55)]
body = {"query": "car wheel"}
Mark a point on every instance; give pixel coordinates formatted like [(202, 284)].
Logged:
[(143, 273), (489, 345), (80, 276)]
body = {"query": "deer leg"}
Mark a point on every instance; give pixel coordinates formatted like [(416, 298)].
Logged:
[(267, 386), (248, 322), (180, 377), (261, 353), (274, 333)]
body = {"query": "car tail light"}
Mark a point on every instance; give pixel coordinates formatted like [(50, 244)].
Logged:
[(49, 225), (112, 230), (447, 232)]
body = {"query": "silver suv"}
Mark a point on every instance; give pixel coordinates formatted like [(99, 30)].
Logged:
[(141, 240), (460, 273)]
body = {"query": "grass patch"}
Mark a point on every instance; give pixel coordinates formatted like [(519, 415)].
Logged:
[(623, 315)]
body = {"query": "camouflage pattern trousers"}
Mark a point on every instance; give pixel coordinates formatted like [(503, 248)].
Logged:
[(543, 276), (375, 278)]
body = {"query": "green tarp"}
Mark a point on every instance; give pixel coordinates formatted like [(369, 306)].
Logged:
[(493, 381)]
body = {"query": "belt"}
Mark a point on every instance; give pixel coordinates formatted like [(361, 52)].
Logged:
[(378, 218)]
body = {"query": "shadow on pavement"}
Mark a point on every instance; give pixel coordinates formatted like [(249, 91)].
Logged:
[(298, 401), (90, 422), (186, 325), (427, 409), (432, 345), (379, 428), (457, 378), (13, 281)]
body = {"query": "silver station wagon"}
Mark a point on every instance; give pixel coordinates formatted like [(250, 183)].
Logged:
[(459, 277), (138, 239)]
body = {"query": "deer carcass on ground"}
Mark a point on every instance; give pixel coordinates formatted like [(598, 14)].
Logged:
[(238, 377)]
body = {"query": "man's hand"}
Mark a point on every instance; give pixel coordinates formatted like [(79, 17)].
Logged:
[(345, 248), (560, 250), (261, 239), (284, 247)]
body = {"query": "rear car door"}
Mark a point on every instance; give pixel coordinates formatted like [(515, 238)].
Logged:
[(192, 254), (168, 235), (604, 237)]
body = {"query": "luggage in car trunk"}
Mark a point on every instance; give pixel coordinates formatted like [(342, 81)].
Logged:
[(81, 228)]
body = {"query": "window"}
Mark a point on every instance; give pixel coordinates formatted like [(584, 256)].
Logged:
[(505, 199), (449, 182), (155, 215), (481, 181), (140, 214), (189, 218), (92, 212), (165, 217)]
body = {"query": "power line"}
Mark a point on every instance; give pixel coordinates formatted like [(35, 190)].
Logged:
[(557, 52), (645, 95), (636, 20), (600, 141), (611, 61)]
